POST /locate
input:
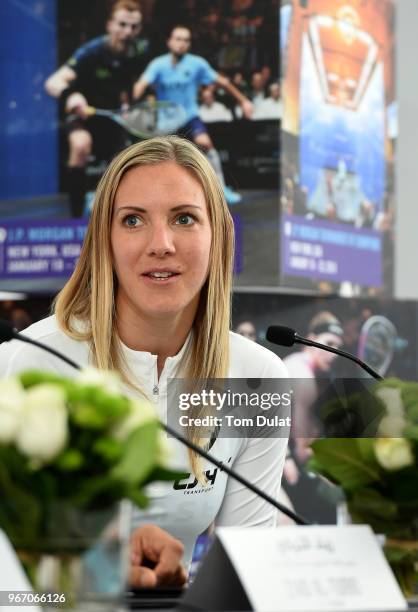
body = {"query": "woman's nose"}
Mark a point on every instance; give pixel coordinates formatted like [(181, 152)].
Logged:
[(161, 241)]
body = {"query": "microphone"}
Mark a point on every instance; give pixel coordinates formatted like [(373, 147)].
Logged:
[(286, 336), (8, 332)]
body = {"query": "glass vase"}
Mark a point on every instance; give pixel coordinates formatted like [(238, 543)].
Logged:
[(81, 562)]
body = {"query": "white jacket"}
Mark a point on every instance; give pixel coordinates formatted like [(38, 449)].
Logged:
[(185, 509)]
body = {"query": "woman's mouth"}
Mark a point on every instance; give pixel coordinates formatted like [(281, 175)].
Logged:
[(161, 277)]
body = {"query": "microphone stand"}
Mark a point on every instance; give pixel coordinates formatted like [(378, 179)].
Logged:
[(286, 336), (49, 349), (7, 332), (219, 464), (341, 353)]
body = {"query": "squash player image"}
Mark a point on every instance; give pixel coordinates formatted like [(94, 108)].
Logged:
[(100, 74), (176, 77)]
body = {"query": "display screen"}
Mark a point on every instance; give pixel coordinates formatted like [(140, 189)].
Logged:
[(338, 147), (70, 103)]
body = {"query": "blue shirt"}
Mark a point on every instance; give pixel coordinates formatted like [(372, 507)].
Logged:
[(180, 82)]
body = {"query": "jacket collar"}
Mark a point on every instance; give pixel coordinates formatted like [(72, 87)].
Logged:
[(144, 364)]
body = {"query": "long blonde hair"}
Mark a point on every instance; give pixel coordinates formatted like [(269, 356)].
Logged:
[(89, 294)]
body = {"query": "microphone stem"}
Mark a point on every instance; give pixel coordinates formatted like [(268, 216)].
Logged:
[(219, 464), (340, 352), (50, 350)]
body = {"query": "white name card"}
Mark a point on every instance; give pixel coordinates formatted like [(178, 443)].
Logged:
[(12, 576), (307, 569)]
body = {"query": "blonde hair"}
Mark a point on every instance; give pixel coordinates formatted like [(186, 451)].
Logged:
[(89, 294)]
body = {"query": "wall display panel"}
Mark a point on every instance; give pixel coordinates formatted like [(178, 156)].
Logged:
[(382, 332), (338, 146), (85, 59)]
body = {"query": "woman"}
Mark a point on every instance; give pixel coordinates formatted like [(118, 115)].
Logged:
[(150, 297)]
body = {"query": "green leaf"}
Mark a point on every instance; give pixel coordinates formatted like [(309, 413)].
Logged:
[(411, 432), (138, 497), (341, 460), (20, 510), (389, 382), (406, 576), (110, 449), (140, 455), (409, 395), (403, 486), (88, 416), (110, 405), (164, 474), (93, 408), (371, 502), (90, 490), (30, 378), (412, 412), (366, 449), (391, 528), (79, 394), (395, 554), (70, 460)]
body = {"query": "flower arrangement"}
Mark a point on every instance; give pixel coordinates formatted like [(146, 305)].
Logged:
[(77, 444), (379, 476)]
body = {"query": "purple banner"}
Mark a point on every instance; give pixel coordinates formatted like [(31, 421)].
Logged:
[(330, 251), (40, 248)]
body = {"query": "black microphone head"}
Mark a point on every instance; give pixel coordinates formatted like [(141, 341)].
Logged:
[(7, 331), (279, 334)]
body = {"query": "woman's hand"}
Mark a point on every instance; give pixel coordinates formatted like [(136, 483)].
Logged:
[(156, 558)]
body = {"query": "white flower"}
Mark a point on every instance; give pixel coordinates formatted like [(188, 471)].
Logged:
[(107, 380), (393, 423), (141, 412), (392, 398), (12, 397), (391, 426), (393, 453), (165, 450), (44, 429)]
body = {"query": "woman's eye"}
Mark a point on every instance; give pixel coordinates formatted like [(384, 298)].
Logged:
[(131, 221), (185, 219)]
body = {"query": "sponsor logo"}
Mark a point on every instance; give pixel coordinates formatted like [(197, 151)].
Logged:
[(191, 484)]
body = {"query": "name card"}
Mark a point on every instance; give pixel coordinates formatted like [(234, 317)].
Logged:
[(307, 569), (12, 577)]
